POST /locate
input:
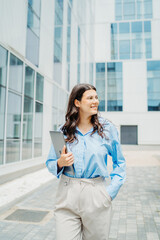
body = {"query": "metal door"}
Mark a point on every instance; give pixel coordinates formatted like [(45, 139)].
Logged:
[(129, 135)]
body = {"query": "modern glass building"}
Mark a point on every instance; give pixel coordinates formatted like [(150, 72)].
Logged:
[(45, 49), (127, 64)]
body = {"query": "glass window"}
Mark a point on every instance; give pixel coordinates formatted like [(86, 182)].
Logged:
[(58, 40), (33, 22), (138, 40), (58, 35), (29, 82), (124, 28), (33, 31), (14, 116), (12, 151), (114, 41), (129, 10), (1, 151), (133, 9), (2, 120), (139, 9), (57, 53), (2, 111), (3, 66), (38, 127), (36, 6), (136, 27), (39, 87), (147, 26), (114, 28), (27, 128), (147, 8), (114, 49), (69, 16), (32, 47), (13, 128), (114, 87), (58, 17), (58, 44), (100, 85), (100, 67), (124, 49), (137, 50), (153, 78), (118, 11), (15, 74), (148, 48), (58, 13), (71, 2)]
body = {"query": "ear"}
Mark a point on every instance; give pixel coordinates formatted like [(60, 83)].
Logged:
[(76, 103)]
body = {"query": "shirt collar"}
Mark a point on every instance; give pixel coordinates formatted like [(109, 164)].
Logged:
[(78, 130)]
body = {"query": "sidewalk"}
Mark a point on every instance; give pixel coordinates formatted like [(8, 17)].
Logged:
[(136, 208)]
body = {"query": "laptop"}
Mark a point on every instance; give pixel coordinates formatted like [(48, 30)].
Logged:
[(58, 142)]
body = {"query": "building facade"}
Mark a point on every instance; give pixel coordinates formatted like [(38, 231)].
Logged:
[(46, 47), (127, 56)]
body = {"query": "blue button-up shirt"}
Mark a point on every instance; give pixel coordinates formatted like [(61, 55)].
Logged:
[(90, 157)]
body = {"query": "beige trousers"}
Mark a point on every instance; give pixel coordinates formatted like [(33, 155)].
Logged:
[(83, 209)]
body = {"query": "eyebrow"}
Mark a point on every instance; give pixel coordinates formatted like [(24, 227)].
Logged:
[(92, 95)]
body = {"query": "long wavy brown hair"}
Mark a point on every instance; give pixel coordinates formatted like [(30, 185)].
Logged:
[(72, 115)]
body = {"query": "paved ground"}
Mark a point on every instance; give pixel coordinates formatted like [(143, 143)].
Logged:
[(136, 208)]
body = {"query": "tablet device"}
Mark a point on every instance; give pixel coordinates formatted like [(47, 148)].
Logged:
[(58, 142)]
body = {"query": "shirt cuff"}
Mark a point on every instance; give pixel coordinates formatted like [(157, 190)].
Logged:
[(59, 172)]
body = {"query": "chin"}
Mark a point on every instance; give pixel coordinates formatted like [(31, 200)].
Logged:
[(95, 113)]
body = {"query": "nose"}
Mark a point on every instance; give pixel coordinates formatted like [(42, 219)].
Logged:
[(95, 100)]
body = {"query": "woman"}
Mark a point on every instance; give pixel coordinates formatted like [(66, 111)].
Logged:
[(84, 199)]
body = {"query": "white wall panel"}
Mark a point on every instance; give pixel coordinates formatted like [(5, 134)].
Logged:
[(101, 43), (13, 24), (148, 124), (46, 38), (104, 10), (134, 86), (47, 115), (156, 39), (156, 9)]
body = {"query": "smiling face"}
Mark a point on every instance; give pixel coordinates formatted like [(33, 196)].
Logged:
[(88, 104)]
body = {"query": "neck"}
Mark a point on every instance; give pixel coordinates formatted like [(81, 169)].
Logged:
[(85, 121)]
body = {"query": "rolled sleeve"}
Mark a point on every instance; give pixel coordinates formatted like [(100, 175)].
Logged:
[(118, 175), (51, 163)]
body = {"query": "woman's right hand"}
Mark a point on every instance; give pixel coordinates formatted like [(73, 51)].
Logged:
[(66, 159)]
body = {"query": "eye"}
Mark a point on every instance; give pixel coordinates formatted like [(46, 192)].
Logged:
[(90, 97)]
